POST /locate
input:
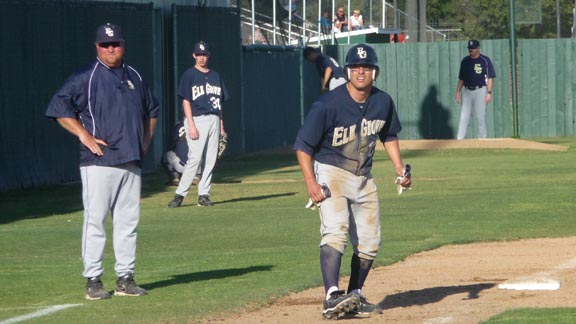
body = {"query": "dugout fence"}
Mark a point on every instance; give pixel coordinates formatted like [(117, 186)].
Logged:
[(43, 42)]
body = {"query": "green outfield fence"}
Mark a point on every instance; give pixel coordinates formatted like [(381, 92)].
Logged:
[(43, 42)]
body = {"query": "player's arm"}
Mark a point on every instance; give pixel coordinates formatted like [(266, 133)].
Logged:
[(73, 126), (192, 130), (489, 86), (149, 127), (459, 90), (326, 79), (392, 147), (314, 189), (222, 130)]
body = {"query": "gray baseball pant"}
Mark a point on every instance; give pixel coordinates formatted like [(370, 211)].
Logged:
[(114, 190), (173, 163), (205, 146), (352, 211), (473, 100), (335, 82)]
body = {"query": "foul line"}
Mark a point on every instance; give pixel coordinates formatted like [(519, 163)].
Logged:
[(40, 313)]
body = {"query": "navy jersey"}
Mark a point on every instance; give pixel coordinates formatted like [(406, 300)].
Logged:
[(341, 132), (111, 106), (325, 61), (205, 91), (476, 72)]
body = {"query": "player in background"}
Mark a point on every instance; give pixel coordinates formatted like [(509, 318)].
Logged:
[(474, 89), (330, 72), (113, 113), (335, 148), (175, 159), (202, 92)]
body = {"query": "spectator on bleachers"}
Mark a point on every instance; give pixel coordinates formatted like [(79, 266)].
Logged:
[(356, 21)]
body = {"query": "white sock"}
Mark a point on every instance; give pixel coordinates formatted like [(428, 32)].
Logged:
[(330, 291)]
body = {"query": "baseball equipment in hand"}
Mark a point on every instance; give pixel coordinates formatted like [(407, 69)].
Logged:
[(399, 180), (222, 144), (327, 194)]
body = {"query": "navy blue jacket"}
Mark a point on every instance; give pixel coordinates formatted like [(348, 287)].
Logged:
[(110, 107), (343, 133)]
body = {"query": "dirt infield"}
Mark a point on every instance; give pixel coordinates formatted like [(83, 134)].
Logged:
[(450, 285), (489, 143), (457, 284)]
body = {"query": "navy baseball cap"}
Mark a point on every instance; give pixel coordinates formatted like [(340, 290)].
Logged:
[(473, 43), (201, 48), (109, 33)]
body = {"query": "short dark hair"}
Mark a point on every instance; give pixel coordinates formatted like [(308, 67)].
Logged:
[(309, 50)]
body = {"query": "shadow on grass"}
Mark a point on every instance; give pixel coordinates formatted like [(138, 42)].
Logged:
[(431, 295), (46, 201), (254, 198), (204, 275)]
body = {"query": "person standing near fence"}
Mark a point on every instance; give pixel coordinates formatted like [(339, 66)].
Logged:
[(330, 72), (202, 92), (111, 110), (474, 89)]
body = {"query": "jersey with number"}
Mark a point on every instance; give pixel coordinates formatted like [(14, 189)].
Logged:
[(341, 132), (324, 62), (205, 91)]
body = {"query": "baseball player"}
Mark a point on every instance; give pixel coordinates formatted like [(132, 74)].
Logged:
[(174, 160), (474, 89), (329, 70), (113, 113), (202, 92), (335, 149)]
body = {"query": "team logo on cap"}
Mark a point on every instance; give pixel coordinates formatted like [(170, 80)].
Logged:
[(109, 31), (361, 52), (202, 48)]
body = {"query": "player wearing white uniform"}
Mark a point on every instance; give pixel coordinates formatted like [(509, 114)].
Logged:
[(335, 148)]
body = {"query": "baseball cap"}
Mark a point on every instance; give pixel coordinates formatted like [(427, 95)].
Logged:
[(109, 33), (473, 43), (201, 48)]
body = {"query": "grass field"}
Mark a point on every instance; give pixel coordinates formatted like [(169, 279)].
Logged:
[(258, 242)]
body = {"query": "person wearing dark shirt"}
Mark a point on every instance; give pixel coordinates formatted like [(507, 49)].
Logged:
[(111, 110), (474, 89), (329, 70)]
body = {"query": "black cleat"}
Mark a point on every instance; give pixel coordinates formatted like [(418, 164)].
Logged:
[(95, 289), (366, 308), (204, 201), (340, 304), (126, 286), (176, 202)]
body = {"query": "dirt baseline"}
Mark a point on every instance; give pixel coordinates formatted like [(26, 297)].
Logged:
[(456, 284), (488, 143)]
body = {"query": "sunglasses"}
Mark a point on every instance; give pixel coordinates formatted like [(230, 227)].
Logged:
[(113, 44)]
